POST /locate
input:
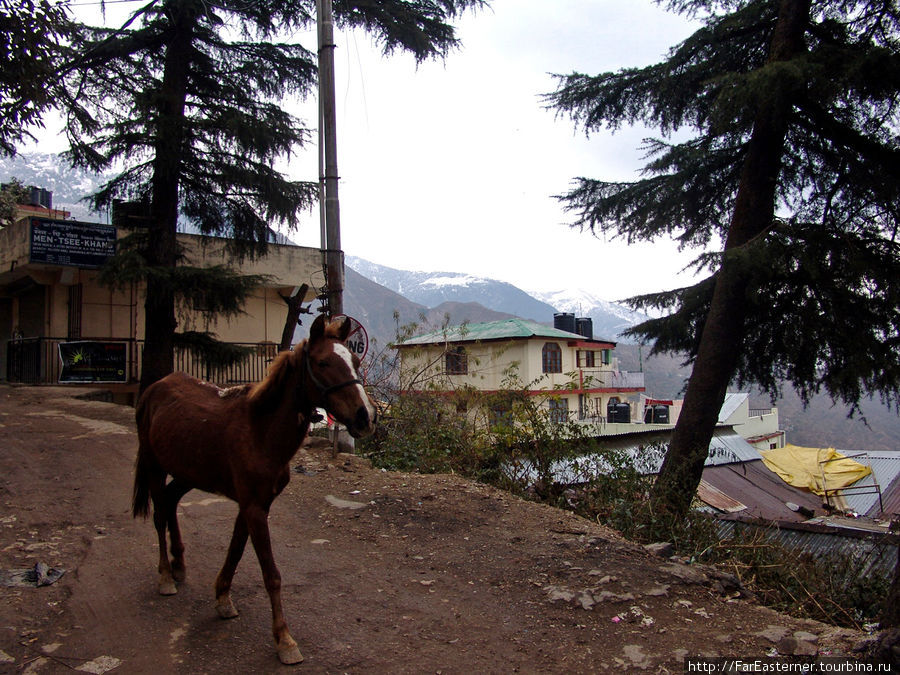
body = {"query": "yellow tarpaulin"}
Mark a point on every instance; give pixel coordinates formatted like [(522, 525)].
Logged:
[(809, 468)]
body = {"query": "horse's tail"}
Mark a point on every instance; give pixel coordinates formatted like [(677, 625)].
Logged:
[(140, 500)]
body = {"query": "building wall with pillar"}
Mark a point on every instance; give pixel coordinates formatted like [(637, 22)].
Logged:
[(64, 300)]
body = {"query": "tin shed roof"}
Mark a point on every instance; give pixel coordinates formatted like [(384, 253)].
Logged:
[(508, 329)]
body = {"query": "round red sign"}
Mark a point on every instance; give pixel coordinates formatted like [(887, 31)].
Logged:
[(358, 340)]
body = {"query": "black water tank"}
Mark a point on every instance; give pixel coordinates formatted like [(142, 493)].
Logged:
[(584, 326), (611, 414), (618, 412), (660, 414), (41, 197), (564, 321)]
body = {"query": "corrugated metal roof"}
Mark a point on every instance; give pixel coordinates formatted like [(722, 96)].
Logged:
[(728, 447), (509, 329), (725, 447), (886, 473), (869, 555), (647, 452), (713, 496), (762, 491), (753, 484)]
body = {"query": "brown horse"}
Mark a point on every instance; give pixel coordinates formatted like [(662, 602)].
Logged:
[(238, 442)]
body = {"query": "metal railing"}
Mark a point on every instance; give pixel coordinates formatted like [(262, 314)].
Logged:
[(36, 361), (612, 379)]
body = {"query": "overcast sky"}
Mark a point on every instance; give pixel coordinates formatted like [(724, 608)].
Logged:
[(451, 166)]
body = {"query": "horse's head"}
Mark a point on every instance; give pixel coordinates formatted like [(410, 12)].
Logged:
[(333, 380)]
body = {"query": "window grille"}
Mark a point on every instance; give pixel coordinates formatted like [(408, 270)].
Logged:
[(559, 410), (457, 361)]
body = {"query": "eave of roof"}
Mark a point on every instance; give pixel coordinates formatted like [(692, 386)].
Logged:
[(508, 329)]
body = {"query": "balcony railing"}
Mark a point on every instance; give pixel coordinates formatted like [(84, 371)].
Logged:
[(36, 361), (612, 379)]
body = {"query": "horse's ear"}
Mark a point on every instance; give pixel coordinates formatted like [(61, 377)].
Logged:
[(317, 330), (344, 330)]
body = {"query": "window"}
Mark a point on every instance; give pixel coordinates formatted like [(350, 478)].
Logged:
[(457, 361), (605, 357), (551, 358), (586, 359), (559, 410), (74, 328), (501, 417)]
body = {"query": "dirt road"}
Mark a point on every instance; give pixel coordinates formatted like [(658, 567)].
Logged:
[(382, 572)]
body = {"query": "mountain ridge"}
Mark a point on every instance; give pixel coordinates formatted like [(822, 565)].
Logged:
[(432, 289)]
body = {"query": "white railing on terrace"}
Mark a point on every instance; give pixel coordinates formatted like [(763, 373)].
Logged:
[(612, 379)]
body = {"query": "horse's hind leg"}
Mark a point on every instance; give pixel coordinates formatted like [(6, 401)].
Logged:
[(160, 521), (224, 606), (172, 495)]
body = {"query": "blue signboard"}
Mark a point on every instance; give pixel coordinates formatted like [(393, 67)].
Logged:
[(67, 242)]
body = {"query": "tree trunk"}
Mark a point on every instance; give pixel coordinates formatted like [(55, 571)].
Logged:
[(295, 308), (722, 333), (162, 246)]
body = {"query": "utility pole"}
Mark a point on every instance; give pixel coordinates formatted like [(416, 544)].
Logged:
[(329, 206)]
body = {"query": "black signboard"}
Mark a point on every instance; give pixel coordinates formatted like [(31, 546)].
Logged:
[(67, 242), (93, 362)]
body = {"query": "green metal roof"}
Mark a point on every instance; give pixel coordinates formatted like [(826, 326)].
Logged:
[(509, 329)]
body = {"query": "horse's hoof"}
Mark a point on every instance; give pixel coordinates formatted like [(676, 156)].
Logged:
[(178, 572), (226, 609), (290, 655), (167, 587)]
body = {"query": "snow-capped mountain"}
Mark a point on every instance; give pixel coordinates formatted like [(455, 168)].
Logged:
[(610, 318), (49, 171), (433, 288)]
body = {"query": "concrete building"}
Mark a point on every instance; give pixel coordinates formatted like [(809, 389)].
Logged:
[(759, 427), (50, 295), (581, 371)]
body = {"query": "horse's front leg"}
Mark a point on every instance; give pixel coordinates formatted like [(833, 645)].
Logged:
[(224, 605), (258, 524)]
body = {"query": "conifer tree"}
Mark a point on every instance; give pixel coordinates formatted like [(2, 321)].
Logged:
[(33, 37), (186, 97), (793, 164)]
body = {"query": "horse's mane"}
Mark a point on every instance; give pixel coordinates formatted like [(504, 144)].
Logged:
[(266, 393), (235, 392)]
